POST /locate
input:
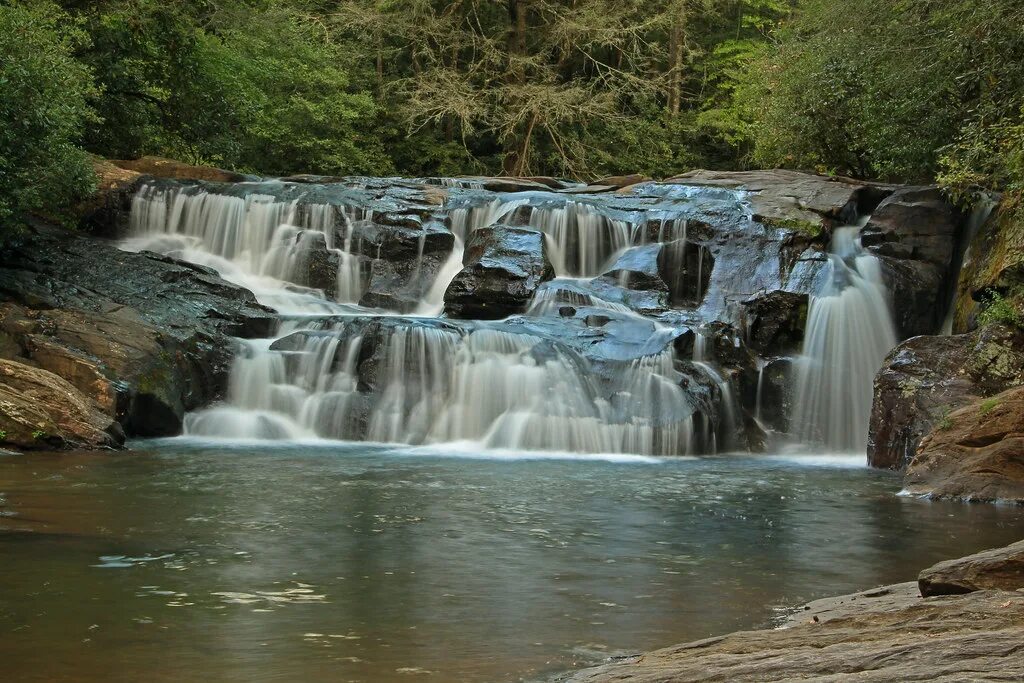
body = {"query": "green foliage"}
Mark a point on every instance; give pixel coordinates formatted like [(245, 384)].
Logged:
[(997, 308), (988, 405), (249, 85), (43, 105), (885, 95), (3, 435), (38, 434)]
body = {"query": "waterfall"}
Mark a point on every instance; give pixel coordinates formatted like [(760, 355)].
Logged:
[(725, 394), (581, 240), (431, 385), (980, 212), (604, 382), (849, 331), (258, 242)]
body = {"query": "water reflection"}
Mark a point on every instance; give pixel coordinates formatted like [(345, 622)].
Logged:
[(369, 564)]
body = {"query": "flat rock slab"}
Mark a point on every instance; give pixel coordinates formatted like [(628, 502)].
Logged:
[(972, 637), (999, 568)]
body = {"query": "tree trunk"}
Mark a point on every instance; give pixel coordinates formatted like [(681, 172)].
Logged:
[(676, 54), (517, 146)]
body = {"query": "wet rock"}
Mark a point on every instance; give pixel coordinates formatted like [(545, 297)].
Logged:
[(142, 336), (637, 268), (975, 453), (776, 396), (794, 200), (996, 569), (39, 410), (105, 214), (686, 269), (914, 232), (503, 268), (994, 264), (774, 321), (924, 379), (406, 257)]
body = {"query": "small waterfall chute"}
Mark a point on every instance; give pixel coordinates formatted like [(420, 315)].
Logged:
[(849, 331)]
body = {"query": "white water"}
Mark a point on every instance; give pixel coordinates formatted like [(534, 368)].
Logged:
[(848, 334), (486, 388), (258, 242), (436, 386)]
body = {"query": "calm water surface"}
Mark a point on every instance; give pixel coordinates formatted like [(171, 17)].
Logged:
[(188, 562)]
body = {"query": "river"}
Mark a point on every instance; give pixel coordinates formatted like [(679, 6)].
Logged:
[(188, 560)]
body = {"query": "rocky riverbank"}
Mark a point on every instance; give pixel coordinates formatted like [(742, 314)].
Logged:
[(961, 620)]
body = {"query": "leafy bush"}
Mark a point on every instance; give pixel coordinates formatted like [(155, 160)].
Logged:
[(43, 107), (999, 309)]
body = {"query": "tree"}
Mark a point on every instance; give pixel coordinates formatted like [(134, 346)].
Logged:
[(43, 108)]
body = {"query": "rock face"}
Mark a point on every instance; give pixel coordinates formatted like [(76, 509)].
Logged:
[(924, 379), (963, 638), (996, 569), (994, 263), (143, 337), (406, 254), (503, 268), (793, 199), (39, 410), (774, 321), (969, 631), (975, 453), (914, 231)]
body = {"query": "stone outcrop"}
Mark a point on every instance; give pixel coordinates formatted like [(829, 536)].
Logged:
[(404, 255), (159, 167), (504, 266), (914, 231), (40, 410), (924, 379), (968, 627), (996, 569), (791, 199), (775, 321), (143, 337), (994, 264), (975, 453)]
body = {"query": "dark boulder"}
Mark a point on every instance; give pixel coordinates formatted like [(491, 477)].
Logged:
[(925, 378), (503, 268), (685, 267), (775, 394), (914, 231), (407, 254), (774, 321)]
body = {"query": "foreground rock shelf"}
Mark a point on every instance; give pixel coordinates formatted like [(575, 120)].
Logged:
[(970, 627)]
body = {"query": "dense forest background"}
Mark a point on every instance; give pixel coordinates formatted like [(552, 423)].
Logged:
[(908, 90)]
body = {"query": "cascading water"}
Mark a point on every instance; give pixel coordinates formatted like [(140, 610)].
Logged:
[(258, 242), (849, 331), (340, 371), (488, 387)]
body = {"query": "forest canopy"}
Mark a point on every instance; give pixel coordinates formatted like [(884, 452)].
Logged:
[(884, 89)]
